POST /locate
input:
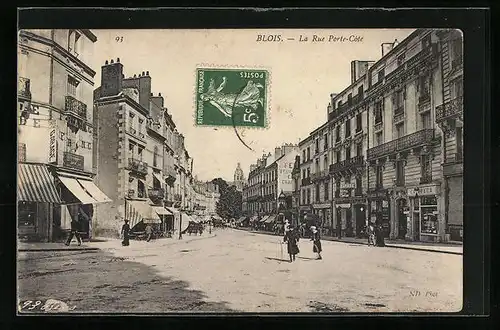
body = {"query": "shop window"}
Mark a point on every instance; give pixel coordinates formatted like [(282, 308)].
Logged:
[(27, 213), (428, 216)]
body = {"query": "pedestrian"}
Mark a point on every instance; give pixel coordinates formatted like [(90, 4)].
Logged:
[(75, 227), (125, 233), (149, 232), (292, 239), (316, 242), (371, 234), (379, 235)]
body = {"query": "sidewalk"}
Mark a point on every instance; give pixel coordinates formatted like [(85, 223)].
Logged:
[(450, 248), (102, 243)]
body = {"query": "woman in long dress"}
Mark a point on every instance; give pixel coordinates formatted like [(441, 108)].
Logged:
[(125, 233), (292, 238), (316, 239)]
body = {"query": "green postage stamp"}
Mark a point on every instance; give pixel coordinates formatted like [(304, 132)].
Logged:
[(231, 97)]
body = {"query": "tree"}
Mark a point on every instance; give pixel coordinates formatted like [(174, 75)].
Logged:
[(229, 204)]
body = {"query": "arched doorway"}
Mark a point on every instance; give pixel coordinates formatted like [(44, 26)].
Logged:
[(402, 206)]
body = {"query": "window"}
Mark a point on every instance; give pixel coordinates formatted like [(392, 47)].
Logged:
[(426, 120), (378, 138), (378, 112), (358, 123), (457, 88), (325, 162), (27, 213), (424, 87), (317, 165), (309, 172), (139, 153), (326, 187), (73, 42), (459, 142), (359, 149), (303, 156), (339, 104), (349, 99), (317, 193), (317, 146), (347, 128), (400, 130), (426, 169), (360, 92), (303, 174), (337, 134), (131, 122), (155, 157), (308, 153), (71, 86), (428, 215), (141, 191), (378, 176), (326, 142), (398, 102), (337, 156), (337, 188), (309, 196), (381, 75), (348, 153), (400, 173), (358, 186)]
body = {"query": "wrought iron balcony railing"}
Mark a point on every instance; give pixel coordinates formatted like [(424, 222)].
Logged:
[(416, 139), (156, 193), (347, 164), (23, 88), (426, 178), (74, 161), (137, 165), (449, 109), (75, 107)]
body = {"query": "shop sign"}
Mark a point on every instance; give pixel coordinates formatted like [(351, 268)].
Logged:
[(423, 191), (344, 206), (52, 142), (347, 186), (377, 194)]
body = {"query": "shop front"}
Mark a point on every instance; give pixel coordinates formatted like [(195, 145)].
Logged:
[(37, 197), (427, 220), (350, 212), (379, 212), (323, 213)]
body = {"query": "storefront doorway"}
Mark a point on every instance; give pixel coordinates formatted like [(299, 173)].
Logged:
[(359, 211), (402, 218)]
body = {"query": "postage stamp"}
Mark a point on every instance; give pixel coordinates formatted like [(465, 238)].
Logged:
[(231, 97)]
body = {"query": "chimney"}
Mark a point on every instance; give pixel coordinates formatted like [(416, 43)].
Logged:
[(118, 60), (147, 73), (359, 68), (386, 48), (144, 90), (277, 152), (111, 78)]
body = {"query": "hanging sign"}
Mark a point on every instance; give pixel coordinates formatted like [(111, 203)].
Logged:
[(52, 141)]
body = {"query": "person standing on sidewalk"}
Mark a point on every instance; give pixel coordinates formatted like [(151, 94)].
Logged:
[(75, 227), (316, 239), (125, 233), (379, 235), (149, 232), (292, 238)]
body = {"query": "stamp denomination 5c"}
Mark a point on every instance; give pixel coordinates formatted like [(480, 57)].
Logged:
[(231, 97)]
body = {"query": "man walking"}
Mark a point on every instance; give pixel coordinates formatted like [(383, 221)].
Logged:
[(316, 242), (292, 238), (75, 227), (149, 232), (125, 233)]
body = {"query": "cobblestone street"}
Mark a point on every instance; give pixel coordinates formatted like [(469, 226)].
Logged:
[(238, 271)]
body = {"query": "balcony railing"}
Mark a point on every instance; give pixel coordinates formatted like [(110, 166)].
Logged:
[(75, 107), (347, 163), (449, 109), (156, 193), (306, 181), (416, 139), (426, 178), (74, 161), (137, 165), (23, 88)]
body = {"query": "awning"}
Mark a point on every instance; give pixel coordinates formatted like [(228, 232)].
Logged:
[(241, 219), (172, 210), (94, 191), (161, 210), (36, 184), (138, 211), (187, 218), (254, 218), (271, 219), (76, 189), (264, 218)]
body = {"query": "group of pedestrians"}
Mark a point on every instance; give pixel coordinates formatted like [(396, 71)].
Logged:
[(375, 235), (292, 237)]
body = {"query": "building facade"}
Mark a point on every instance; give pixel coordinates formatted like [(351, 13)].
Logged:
[(392, 147), (56, 133)]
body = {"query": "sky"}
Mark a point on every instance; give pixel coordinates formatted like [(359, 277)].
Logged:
[(303, 75)]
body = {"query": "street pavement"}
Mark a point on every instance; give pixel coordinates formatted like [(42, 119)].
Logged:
[(239, 271)]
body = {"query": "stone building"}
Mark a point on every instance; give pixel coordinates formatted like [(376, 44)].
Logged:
[(56, 133)]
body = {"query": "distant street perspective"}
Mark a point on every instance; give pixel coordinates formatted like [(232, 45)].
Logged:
[(240, 271)]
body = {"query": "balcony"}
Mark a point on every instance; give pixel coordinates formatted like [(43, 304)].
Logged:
[(306, 181), (75, 108), (413, 140), (23, 88), (347, 164), (137, 165), (319, 175), (73, 161), (424, 97), (426, 178), (156, 193), (450, 109)]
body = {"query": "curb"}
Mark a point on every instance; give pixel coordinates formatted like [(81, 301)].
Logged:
[(360, 243), (58, 249)]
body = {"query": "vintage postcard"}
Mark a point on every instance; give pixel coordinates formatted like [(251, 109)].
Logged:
[(240, 171)]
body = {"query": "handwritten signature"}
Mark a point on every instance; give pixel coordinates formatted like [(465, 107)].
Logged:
[(50, 305)]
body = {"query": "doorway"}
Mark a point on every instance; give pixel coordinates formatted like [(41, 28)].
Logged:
[(359, 211), (402, 218), (349, 224)]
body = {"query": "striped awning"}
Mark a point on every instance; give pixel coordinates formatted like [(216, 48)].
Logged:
[(271, 219), (138, 211), (264, 218), (36, 184)]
